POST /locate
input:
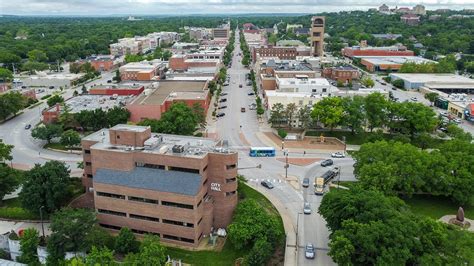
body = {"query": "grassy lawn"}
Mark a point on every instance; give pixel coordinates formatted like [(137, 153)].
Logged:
[(436, 206), (228, 255)]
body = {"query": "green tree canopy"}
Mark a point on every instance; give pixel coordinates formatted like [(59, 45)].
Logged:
[(329, 111), (29, 241), (47, 132), (125, 242)]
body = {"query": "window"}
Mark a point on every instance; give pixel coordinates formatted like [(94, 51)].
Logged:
[(230, 193), (230, 180), (149, 165), (118, 136), (188, 240), (110, 195), (230, 166), (182, 169), (314, 90), (87, 151), (112, 212), (108, 226), (145, 200), (90, 176), (141, 217), (178, 223), (325, 90), (177, 205), (88, 163)]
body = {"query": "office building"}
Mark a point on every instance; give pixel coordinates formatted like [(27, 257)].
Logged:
[(317, 35), (358, 51), (343, 74), (447, 83), (391, 63), (176, 187), (143, 71)]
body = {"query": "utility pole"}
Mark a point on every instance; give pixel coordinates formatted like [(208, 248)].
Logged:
[(286, 165)]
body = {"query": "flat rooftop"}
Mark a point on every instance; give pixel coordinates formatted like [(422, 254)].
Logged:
[(152, 179), (303, 80), (165, 88), (395, 60), (433, 78), (158, 143), (118, 86), (92, 102), (287, 65)]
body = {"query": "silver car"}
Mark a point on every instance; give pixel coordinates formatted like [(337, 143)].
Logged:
[(307, 208), (309, 251)]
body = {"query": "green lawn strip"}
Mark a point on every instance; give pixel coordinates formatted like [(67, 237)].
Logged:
[(59, 146), (229, 254), (436, 206)]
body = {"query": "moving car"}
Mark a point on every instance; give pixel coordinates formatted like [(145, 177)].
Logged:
[(414, 99), (307, 208), (224, 94), (28, 126), (267, 184), (250, 93), (109, 81), (338, 155), (220, 115), (383, 83), (309, 251), (327, 162), (306, 182)]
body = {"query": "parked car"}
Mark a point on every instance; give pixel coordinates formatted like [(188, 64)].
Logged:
[(224, 94), (443, 129), (309, 252), (414, 99), (457, 120), (338, 155), (307, 208), (51, 87), (383, 83), (445, 114), (327, 162), (242, 109), (222, 107), (240, 85), (109, 81), (220, 115), (223, 100), (267, 184), (305, 182), (28, 126), (250, 93), (226, 83)]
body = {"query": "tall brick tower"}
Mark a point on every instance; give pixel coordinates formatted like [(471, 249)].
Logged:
[(317, 35)]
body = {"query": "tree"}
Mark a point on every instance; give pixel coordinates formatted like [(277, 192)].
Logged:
[(456, 132), (198, 112), (398, 83), (29, 242), (47, 132), (151, 253), (84, 89), (376, 108), (66, 118), (70, 228), (282, 133), (415, 118), (167, 55), (277, 114), (5, 75), (54, 100), (368, 82), (100, 238), (10, 104), (9, 180), (260, 253), (100, 256), (431, 96), (290, 112), (46, 186), (125, 242), (355, 113), (5, 152), (32, 66), (133, 58), (37, 55), (328, 111), (70, 138), (272, 39), (117, 115)]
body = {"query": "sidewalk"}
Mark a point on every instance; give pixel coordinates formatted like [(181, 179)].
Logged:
[(290, 246)]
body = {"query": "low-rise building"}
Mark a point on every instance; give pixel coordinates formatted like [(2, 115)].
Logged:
[(410, 19), (280, 52), (103, 62), (143, 71), (47, 80), (84, 102), (221, 33), (176, 187), (343, 74), (157, 100), (396, 50), (448, 83), (392, 63), (117, 89), (269, 69)]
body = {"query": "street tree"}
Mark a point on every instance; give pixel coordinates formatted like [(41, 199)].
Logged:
[(415, 118), (355, 115), (100, 256), (376, 110), (304, 116), (151, 252), (47, 132), (66, 118), (10, 104), (277, 114), (46, 186), (32, 66), (117, 115), (199, 113), (5, 152), (29, 242), (37, 55), (329, 111), (398, 83), (70, 138), (9, 180), (126, 242), (431, 96), (53, 100), (260, 253), (290, 113), (367, 82), (5, 75)]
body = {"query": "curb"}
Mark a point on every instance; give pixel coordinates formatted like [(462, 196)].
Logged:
[(23, 221)]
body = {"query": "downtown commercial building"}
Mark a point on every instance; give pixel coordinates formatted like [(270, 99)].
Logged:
[(173, 186)]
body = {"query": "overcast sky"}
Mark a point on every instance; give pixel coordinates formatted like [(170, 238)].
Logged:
[(163, 7)]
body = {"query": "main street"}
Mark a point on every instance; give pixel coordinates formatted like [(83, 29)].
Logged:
[(240, 129)]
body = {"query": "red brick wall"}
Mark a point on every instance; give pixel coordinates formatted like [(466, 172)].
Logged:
[(351, 53), (102, 65), (177, 63), (139, 112), (110, 91)]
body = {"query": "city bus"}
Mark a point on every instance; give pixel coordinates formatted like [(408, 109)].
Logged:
[(262, 152)]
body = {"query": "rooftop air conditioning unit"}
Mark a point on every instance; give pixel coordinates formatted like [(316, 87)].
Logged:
[(178, 148)]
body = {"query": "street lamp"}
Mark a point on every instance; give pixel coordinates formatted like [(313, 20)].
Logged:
[(286, 164), (41, 217)]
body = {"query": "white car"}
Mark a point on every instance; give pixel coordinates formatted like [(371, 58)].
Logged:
[(457, 120), (414, 99), (338, 155), (307, 208)]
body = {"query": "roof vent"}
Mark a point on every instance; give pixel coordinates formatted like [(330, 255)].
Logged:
[(178, 148)]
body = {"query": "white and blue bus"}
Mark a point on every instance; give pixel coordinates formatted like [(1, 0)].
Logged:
[(262, 152)]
